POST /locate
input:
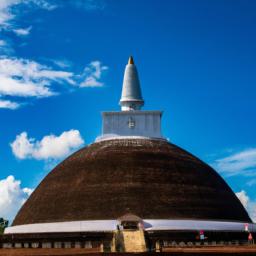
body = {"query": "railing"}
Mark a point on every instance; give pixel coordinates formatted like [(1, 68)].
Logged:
[(169, 244), (50, 245)]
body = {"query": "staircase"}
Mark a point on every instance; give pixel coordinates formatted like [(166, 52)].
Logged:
[(132, 241)]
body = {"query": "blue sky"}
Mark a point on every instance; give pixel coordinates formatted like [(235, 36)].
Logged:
[(62, 63)]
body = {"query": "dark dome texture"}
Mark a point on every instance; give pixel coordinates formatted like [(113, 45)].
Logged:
[(152, 179)]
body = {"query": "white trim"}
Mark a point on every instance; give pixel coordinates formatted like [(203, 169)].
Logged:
[(120, 137), (111, 225), (138, 112)]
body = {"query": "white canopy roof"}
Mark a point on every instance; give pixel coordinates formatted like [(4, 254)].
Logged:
[(111, 225)]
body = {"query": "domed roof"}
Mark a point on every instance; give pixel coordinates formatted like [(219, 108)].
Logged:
[(152, 179)]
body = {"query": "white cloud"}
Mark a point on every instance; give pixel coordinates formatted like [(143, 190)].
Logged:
[(5, 47), (10, 10), (49, 147), (242, 196), (248, 204), (5, 11), (20, 77), (2, 43), (26, 78), (31, 70), (12, 197), (8, 104), (91, 82), (251, 182), (252, 210), (92, 74), (44, 4), (88, 5), (7, 14), (241, 163), (62, 63), (22, 31)]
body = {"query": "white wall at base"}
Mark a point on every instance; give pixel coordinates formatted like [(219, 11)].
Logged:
[(132, 123), (26, 245), (111, 225), (46, 245), (57, 245), (7, 245)]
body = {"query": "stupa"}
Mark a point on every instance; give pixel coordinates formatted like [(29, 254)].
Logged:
[(131, 190)]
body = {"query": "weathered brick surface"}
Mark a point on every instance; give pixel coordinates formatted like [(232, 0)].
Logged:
[(152, 179)]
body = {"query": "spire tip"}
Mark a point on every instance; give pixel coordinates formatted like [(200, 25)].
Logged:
[(131, 61)]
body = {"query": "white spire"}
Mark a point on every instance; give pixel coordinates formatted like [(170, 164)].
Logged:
[(131, 98)]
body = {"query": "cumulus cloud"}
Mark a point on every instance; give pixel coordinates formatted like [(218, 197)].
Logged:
[(248, 204), (242, 196), (12, 197), (22, 31), (92, 74), (20, 78), (252, 210), (5, 47), (49, 147), (5, 11), (8, 104), (240, 163), (26, 78)]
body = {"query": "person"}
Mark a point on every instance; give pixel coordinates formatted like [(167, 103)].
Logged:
[(250, 238)]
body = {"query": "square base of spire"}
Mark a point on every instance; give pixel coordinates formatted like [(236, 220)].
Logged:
[(132, 123)]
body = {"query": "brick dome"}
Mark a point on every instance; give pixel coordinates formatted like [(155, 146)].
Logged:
[(152, 179)]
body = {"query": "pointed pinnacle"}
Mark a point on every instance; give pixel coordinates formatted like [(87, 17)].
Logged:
[(131, 61)]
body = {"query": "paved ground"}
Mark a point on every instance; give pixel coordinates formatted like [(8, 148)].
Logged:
[(228, 250), (44, 252), (206, 251)]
